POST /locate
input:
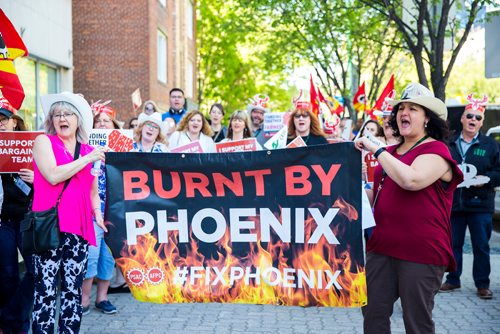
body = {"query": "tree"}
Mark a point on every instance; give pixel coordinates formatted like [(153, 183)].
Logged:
[(231, 65), (425, 26), (338, 40)]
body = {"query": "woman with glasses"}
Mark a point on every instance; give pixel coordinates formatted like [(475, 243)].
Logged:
[(216, 116), (16, 295), (193, 127), (62, 163), (150, 134), (150, 108), (304, 123), (100, 264)]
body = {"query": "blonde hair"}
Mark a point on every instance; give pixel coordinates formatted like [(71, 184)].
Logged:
[(183, 124), (155, 107), (242, 115)]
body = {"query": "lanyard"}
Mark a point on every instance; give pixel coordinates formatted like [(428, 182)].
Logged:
[(461, 150), (384, 174)]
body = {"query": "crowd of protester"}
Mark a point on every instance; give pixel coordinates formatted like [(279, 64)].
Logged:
[(407, 254)]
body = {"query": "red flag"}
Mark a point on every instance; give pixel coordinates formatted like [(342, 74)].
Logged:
[(11, 47), (359, 99), (314, 98), (387, 92)]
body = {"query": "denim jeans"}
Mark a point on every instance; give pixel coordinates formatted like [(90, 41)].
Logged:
[(16, 295), (480, 226)]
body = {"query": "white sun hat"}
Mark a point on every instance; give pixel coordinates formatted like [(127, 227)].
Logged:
[(153, 118), (421, 95), (77, 100)]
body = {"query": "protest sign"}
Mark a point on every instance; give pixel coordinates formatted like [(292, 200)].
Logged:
[(273, 122), (267, 227), (16, 150), (297, 142), (117, 140), (278, 140), (192, 147), (249, 144)]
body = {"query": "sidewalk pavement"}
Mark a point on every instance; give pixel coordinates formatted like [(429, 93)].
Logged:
[(459, 311)]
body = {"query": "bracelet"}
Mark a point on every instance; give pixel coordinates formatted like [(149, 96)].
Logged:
[(378, 152)]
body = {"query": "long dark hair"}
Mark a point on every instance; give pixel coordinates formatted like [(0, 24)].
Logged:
[(437, 127)]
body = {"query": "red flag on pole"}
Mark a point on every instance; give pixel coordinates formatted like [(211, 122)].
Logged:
[(359, 99), (314, 97), (380, 101), (11, 47)]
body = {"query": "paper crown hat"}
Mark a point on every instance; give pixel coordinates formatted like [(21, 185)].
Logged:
[(259, 102), (476, 105), (298, 104), (102, 107)]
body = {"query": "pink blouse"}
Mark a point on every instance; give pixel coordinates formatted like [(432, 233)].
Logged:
[(75, 207)]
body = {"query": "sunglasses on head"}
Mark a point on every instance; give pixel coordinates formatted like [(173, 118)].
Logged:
[(471, 116)]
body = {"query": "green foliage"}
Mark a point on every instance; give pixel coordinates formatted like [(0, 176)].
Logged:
[(230, 67)]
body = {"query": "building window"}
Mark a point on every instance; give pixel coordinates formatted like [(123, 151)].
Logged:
[(189, 19), (163, 3), (37, 79), (162, 57), (189, 79)]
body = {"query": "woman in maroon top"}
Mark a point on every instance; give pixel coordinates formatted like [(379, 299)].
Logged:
[(410, 248)]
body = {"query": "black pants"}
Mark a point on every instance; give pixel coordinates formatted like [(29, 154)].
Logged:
[(389, 279)]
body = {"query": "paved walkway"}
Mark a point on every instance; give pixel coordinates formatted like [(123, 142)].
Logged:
[(457, 312)]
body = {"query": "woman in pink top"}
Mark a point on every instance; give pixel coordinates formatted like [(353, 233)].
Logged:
[(68, 122), (410, 248)]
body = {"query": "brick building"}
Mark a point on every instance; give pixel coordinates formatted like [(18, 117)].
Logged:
[(121, 46)]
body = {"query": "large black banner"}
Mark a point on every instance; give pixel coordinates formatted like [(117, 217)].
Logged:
[(266, 227)]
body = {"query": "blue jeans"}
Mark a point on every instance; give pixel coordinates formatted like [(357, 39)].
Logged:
[(16, 295), (480, 226), (101, 263)]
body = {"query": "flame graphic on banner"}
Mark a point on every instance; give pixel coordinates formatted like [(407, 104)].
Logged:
[(313, 259)]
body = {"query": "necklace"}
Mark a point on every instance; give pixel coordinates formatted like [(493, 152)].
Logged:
[(384, 174)]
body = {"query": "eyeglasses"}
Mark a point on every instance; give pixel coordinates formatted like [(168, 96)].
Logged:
[(4, 120), (298, 116), (471, 116), (152, 126), (65, 115)]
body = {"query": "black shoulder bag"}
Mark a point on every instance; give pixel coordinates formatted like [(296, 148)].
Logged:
[(40, 229)]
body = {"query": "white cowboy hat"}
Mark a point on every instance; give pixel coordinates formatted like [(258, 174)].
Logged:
[(153, 118), (77, 100), (421, 95)]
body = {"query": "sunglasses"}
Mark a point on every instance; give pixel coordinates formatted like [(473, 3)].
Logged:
[(298, 116), (471, 116)]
